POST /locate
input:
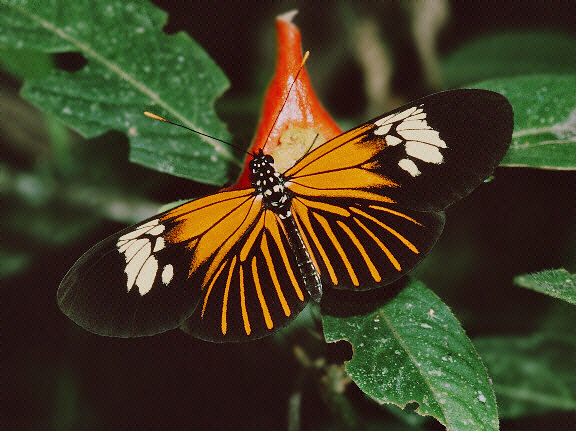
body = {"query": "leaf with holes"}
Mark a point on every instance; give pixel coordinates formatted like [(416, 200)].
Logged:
[(131, 67), (558, 283), (544, 120), (532, 375), (414, 350)]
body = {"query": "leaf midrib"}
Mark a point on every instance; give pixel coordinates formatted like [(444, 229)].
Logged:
[(113, 67)]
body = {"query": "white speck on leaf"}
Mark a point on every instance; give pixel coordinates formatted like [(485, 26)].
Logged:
[(426, 326)]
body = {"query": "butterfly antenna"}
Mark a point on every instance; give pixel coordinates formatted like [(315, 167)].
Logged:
[(157, 117), (306, 55)]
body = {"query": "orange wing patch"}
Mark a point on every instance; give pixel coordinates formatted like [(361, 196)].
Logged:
[(360, 245), (252, 285)]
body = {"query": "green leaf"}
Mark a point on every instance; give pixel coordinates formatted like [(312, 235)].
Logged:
[(509, 54), (544, 120), (558, 283), (26, 63), (132, 67), (13, 262), (414, 350), (531, 375)]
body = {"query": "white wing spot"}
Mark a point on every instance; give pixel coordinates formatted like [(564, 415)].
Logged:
[(136, 263), (411, 124), (167, 274), (141, 264), (428, 136), (147, 275), (425, 152), (157, 230), (134, 247), (159, 244), (382, 130), (397, 117), (409, 166), (392, 140)]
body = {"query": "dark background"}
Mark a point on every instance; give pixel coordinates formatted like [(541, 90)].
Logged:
[(61, 377)]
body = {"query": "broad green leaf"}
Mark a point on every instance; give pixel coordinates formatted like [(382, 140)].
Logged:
[(132, 67), (531, 375), (558, 283), (544, 120), (26, 63), (413, 350), (509, 54)]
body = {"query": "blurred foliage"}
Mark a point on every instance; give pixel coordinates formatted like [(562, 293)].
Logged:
[(510, 54), (558, 283), (60, 193)]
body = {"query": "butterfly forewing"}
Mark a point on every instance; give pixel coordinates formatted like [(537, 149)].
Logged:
[(143, 280), (423, 156)]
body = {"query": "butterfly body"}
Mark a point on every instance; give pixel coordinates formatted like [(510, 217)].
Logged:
[(356, 213), (269, 184)]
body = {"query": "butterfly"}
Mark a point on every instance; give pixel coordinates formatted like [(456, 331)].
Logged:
[(357, 213)]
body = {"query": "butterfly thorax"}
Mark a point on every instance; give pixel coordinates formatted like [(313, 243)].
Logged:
[(269, 184)]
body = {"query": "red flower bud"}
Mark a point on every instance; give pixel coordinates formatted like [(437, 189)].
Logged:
[(287, 132)]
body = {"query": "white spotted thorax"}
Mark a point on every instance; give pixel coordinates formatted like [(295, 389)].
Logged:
[(421, 142), (270, 185), (138, 248)]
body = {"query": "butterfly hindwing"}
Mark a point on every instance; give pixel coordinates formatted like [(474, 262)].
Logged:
[(424, 156), (363, 245), (255, 291)]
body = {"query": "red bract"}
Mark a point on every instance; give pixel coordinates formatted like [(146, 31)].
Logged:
[(286, 132)]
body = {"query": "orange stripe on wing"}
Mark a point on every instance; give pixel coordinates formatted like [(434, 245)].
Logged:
[(312, 162), (399, 214), (301, 212), (210, 288), (275, 282), (224, 324), (311, 191), (404, 241), (373, 271), (261, 299), (387, 252), (247, 328), (324, 223)]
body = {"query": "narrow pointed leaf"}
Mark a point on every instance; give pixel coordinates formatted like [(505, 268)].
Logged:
[(544, 120), (558, 283), (414, 350), (532, 375), (132, 66)]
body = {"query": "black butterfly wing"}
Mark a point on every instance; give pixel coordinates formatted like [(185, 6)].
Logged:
[(424, 156), (256, 290), (369, 202), (146, 279), (364, 245)]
